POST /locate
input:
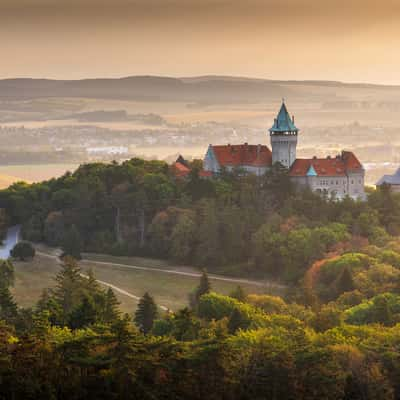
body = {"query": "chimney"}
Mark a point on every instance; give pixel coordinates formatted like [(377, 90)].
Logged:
[(293, 119)]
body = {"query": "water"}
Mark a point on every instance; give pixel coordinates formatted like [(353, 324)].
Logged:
[(11, 239)]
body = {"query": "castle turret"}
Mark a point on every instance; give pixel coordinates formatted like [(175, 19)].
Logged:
[(284, 138)]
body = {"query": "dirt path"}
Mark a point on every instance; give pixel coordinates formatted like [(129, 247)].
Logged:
[(55, 253), (107, 284), (265, 284), (122, 291)]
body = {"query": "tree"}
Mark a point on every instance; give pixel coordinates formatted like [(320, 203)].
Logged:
[(122, 361), (208, 251), (239, 294), (267, 244), (345, 282), (92, 286), (84, 314), (8, 307), (382, 311), (69, 289), (185, 325), (6, 273), (326, 318), (203, 288), (111, 308), (235, 321), (182, 238), (23, 251), (72, 243), (146, 313)]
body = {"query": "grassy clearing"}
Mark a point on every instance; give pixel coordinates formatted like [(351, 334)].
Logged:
[(31, 278), (169, 290), (138, 261)]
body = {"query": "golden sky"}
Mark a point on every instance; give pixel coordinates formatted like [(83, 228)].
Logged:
[(347, 40)]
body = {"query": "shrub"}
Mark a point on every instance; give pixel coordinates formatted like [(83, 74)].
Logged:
[(269, 304), (383, 309), (215, 306), (390, 257), (23, 251)]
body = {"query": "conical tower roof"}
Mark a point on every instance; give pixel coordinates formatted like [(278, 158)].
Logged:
[(283, 122)]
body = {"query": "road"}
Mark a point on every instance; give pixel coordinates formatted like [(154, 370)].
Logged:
[(10, 241)]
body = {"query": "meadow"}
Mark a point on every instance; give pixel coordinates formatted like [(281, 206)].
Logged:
[(169, 290)]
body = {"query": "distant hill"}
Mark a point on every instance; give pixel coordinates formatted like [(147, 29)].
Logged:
[(206, 89)]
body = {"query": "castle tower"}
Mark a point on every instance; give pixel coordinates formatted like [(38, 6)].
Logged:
[(284, 138)]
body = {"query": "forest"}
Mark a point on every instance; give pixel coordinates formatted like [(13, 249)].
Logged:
[(334, 334), (238, 224)]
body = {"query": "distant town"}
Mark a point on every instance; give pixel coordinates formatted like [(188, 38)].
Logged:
[(66, 144)]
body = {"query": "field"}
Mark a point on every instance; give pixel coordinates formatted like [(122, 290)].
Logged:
[(32, 172), (7, 180), (31, 278), (169, 290)]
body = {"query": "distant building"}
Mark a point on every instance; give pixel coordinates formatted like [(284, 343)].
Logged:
[(338, 176), (109, 150), (252, 158), (181, 169), (283, 136), (393, 181)]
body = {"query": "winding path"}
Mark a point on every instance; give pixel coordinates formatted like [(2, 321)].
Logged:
[(182, 273), (107, 284), (13, 236), (161, 270)]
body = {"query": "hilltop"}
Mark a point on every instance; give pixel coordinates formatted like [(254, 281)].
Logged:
[(213, 89)]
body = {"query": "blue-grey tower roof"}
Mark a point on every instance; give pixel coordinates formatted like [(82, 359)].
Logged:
[(283, 123)]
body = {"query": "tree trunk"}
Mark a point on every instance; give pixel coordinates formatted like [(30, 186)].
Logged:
[(118, 225), (141, 228)]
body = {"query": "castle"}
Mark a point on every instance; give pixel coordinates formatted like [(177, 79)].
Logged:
[(336, 177)]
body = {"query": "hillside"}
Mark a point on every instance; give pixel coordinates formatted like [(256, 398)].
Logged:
[(210, 89)]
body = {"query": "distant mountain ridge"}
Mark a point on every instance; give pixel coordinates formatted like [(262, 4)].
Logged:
[(207, 89)]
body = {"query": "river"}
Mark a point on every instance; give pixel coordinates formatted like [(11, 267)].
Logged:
[(11, 239)]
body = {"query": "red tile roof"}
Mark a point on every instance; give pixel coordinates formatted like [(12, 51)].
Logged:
[(243, 154), (351, 161), (205, 174), (180, 170), (335, 166)]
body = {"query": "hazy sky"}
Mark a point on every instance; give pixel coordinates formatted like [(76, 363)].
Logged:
[(349, 40)]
